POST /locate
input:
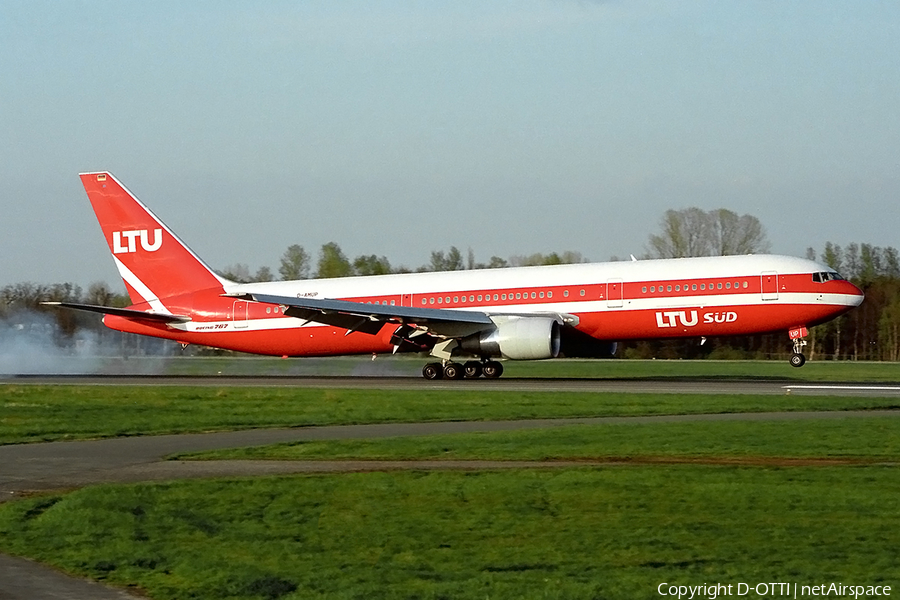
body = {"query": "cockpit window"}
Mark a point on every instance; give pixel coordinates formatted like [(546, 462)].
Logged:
[(826, 276)]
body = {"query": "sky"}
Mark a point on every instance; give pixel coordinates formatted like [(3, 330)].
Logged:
[(399, 128)]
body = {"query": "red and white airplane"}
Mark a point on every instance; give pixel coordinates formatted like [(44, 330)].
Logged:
[(515, 313)]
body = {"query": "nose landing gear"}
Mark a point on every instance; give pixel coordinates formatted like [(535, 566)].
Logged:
[(797, 334)]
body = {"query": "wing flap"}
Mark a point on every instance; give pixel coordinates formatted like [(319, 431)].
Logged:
[(370, 318)]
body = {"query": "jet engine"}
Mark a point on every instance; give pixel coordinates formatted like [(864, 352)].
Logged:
[(517, 338)]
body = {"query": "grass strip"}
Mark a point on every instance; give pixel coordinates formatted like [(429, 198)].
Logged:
[(562, 534), (31, 413), (873, 438)]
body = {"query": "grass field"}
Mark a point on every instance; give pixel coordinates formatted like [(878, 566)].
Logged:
[(609, 532), (569, 534), (869, 438), (31, 413)]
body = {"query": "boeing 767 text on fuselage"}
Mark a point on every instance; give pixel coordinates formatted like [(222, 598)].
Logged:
[(521, 313)]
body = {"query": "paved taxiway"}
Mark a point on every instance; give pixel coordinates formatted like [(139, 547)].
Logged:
[(62, 465)]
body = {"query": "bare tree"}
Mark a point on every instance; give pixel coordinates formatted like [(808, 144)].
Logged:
[(695, 232), (733, 234)]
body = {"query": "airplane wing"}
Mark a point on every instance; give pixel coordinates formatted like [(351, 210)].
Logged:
[(370, 318), (123, 312)]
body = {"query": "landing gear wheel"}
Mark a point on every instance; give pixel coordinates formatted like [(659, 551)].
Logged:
[(453, 371), (433, 371), (797, 360), (472, 369), (492, 369)]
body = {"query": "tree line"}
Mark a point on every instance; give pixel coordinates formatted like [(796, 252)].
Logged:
[(869, 332), (296, 263)]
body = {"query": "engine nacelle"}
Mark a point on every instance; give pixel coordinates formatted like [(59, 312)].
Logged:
[(517, 338)]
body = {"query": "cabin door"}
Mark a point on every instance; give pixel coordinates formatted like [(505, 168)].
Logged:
[(239, 316)]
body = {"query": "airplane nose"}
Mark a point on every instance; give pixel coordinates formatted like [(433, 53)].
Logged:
[(858, 295)]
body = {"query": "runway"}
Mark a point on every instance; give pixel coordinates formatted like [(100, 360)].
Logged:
[(670, 385)]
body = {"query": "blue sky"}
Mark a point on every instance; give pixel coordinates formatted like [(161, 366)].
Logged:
[(402, 128)]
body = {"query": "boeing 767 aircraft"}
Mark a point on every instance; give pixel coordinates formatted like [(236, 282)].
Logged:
[(515, 313)]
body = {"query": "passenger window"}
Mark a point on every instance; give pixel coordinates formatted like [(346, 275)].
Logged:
[(431, 301), (565, 293), (541, 295), (533, 295), (694, 287), (719, 286), (582, 292), (479, 297), (745, 285), (677, 288), (503, 296), (549, 294), (518, 295), (644, 289), (456, 298), (471, 298), (440, 300), (652, 288), (668, 288), (728, 285)]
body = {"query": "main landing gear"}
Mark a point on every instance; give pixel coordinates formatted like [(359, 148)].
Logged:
[(797, 334), (471, 369)]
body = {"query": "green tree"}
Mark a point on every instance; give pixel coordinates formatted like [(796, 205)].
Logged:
[(452, 261), (833, 256), (294, 263), (554, 258), (263, 274), (497, 263), (333, 262), (371, 265)]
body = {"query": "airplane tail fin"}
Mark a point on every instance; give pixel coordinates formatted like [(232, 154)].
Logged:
[(151, 259)]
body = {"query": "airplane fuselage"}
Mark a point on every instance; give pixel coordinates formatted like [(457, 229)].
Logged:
[(617, 301)]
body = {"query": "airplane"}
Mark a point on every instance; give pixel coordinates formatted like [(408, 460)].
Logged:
[(523, 313)]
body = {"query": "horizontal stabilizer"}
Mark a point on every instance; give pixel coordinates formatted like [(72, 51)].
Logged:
[(123, 312)]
